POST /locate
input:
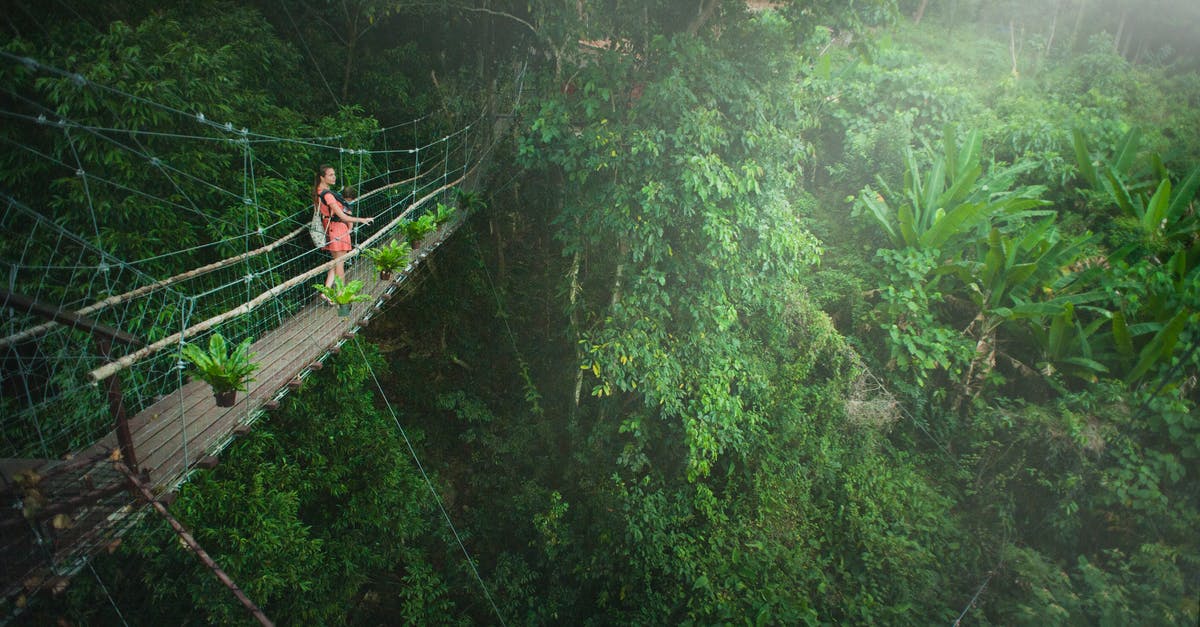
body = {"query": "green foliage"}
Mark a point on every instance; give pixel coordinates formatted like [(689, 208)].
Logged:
[(918, 342), (443, 214), (416, 230), (947, 205), (712, 476), (220, 368), (469, 201), (342, 293), (389, 257), (1164, 222)]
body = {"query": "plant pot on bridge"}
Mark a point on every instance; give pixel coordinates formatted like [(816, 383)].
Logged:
[(227, 372), (388, 258), (225, 398), (343, 294), (416, 231)]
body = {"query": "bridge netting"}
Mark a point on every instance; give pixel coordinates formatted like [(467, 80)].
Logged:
[(112, 219)]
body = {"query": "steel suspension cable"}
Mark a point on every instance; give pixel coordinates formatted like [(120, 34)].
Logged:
[(436, 497)]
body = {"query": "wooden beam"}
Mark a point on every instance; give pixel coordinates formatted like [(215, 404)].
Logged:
[(25, 304), (195, 547)]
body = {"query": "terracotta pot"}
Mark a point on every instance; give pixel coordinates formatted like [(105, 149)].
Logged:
[(385, 275), (226, 398), (344, 310)]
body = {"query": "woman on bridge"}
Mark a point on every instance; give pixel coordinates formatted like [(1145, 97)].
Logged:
[(337, 220)]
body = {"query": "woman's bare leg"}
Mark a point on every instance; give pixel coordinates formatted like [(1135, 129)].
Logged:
[(338, 269)]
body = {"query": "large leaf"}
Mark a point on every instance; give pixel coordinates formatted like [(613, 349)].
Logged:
[(1083, 158), (880, 211), (1127, 150), (953, 222), (1120, 193), (1160, 346), (1122, 337), (1155, 214), (1185, 193)]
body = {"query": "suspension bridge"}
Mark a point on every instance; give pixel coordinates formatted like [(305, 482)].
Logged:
[(98, 418)]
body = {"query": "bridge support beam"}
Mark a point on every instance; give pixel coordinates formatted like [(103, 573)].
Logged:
[(116, 406), (195, 547)]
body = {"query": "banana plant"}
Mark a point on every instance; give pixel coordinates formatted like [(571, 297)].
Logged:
[(1163, 213), (953, 199), (1018, 277), (1069, 346)]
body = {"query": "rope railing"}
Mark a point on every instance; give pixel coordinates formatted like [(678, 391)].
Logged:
[(157, 285), (114, 367)]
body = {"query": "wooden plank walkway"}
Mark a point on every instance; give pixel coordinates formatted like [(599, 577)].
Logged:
[(173, 435)]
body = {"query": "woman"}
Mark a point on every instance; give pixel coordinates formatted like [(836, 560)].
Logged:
[(337, 221)]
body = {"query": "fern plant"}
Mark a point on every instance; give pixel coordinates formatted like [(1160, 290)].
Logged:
[(416, 230), (227, 372), (342, 293), (390, 257), (444, 214)]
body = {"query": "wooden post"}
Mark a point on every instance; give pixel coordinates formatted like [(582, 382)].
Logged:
[(116, 405)]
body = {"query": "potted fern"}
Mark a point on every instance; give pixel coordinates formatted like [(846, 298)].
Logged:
[(416, 230), (388, 258), (469, 201), (343, 294), (444, 214), (227, 372)]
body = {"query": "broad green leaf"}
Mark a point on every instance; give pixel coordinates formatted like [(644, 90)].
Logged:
[(1084, 159), (907, 228), (879, 211), (1121, 336), (1089, 364), (1156, 207), (1185, 194), (1160, 347), (957, 220), (1120, 194), (1127, 150)]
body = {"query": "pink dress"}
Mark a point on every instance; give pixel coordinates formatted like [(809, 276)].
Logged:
[(337, 233)]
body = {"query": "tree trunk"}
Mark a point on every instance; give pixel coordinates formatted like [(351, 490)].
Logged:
[(351, 44), (1078, 24), (616, 290), (1012, 47), (1053, 27), (574, 296), (920, 12), (705, 11), (1120, 30)]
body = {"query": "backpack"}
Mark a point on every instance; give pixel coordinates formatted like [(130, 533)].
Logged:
[(316, 229), (316, 226)]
